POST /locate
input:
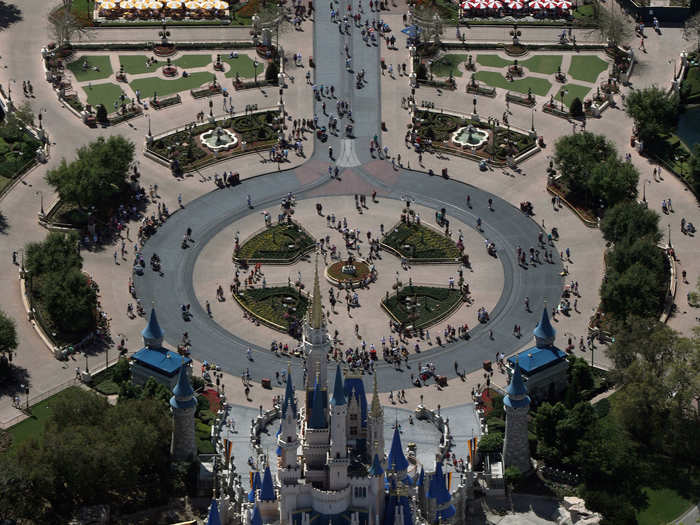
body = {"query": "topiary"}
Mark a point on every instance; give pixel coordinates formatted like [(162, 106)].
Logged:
[(421, 72), (272, 71), (576, 107)]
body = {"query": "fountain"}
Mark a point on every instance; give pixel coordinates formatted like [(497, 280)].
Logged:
[(470, 137), (219, 139)]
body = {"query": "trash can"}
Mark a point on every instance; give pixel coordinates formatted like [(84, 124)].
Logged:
[(266, 383)]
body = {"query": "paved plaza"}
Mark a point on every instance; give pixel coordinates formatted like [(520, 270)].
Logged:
[(191, 276)]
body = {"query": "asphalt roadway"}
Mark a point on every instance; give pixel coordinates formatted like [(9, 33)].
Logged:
[(506, 226)]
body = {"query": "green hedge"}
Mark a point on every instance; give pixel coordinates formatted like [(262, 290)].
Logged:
[(426, 243), (268, 304), (273, 243), (434, 303)]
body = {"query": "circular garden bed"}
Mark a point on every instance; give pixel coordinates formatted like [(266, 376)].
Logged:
[(344, 272), (420, 243), (281, 243), (422, 306), (280, 307)]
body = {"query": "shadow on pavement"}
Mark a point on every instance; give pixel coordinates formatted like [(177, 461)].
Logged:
[(9, 14)]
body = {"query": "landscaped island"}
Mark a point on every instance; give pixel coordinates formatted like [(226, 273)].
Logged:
[(418, 242), (422, 306), (280, 307), (281, 243)]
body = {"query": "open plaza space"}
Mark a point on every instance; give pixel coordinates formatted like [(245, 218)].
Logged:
[(398, 197)]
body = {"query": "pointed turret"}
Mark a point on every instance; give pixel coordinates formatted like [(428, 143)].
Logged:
[(267, 492), (338, 398), (318, 412), (376, 468), (516, 402), (183, 403), (152, 334), (376, 410), (397, 460), (289, 395), (256, 518), (213, 518), (421, 477), (516, 393), (316, 310), (544, 331), (183, 394)]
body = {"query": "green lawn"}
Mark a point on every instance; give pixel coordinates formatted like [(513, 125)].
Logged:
[(448, 63), (492, 61), (573, 91), (587, 67), (136, 64), (103, 94), (162, 87), (243, 65), (189, 61), (665, 505), (539, 86), (545, 64), (101, 62), (34, 425)]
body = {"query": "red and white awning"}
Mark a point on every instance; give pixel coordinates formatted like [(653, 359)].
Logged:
[(494, 4), (477, 4), (514, 4), (536, 4), (550, 4), (564, 4)]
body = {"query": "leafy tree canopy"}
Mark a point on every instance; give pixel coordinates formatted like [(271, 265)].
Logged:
[(57, 253), (491, 442), (69, 300), (8, 334), (629, 219), (575, 155), (653, 110), (98, 174), (613, 181)]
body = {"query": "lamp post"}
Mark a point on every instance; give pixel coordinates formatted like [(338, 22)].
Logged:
[(255, 68), (149, 125), (87, 371), (532, 125), (41, 200), (669, 235), (561, 96), (474, 102), (9, 89), (17, 156), (644, 191), (25, 388)]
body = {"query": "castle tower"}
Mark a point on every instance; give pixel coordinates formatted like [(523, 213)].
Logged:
[(516, 449), (267, 503), (376, 472), (183, 404), (316, 438), (440, 496), (289, 470), (544, 331), (316, 344), (375, 426), (152, 334), (338, 453), (397, 463)]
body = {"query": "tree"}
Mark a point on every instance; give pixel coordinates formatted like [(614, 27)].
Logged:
[(628, 220), (613, 181), (57, 253), (491, 442), (694, 168), (613, 25), (97, 176), (422, 72), (8, 336), (691, 30), (576, 107), (580, 379), (654, 112), (636, 290), (101, 114), (512, 476), (272, 71), (575, 155), (426, 18), (70, 300), (64, 25)]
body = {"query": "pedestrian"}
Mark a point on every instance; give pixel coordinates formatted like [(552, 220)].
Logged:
[(179, 200)]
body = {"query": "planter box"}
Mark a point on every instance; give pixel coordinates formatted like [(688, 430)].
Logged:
[(118, 119), (206, 92), (521, 100), (250, 84), (480, 90), (166, 102), (441, 84), (552, 110)]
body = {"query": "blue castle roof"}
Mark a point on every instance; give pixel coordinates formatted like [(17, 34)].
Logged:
[(289, 398), (256, 486), (256, 518), (376, 468), (165, 362), (354, 386), (338, 398), (535, 358), (396, 460), (213, 518), (544, 329), (421, 477), (516, 393), (267, 493), (318, 412), (152, 334), (390, 512), (438, 487), (183, 394)]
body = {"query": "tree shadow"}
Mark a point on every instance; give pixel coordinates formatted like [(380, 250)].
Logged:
[(11, 380), (4, 225), (9, 14)]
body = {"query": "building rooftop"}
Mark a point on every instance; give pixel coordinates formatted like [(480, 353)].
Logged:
[(161, 360), (544, 329), (534, 358)]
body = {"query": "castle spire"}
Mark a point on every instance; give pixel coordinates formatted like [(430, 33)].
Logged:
[(338, 398), (544, 332), (152, 334), (376, 410), (316, 311)]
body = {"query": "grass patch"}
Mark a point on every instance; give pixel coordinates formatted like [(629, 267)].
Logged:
[(417, 241), (422, 306), (34, 425), (585, 14), (278, 242), (283, 306), (188, 61), (105, 94), (544, 64), (163, 88), (101, 62), (539, 86), (136, 64), (492, 61), (665, 505), (243, 65), (573, 91), (447, 64), (587, 67)]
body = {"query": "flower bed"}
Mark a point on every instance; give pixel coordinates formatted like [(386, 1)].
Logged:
[(257, 130), (121, 117), (250, 84), (335, 274), (552, 109), (205, 92), (481, 90), (280, 307), (166, 102), (422, 306), (281, 243), (441, 84), (528, 101), (420, 243)]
